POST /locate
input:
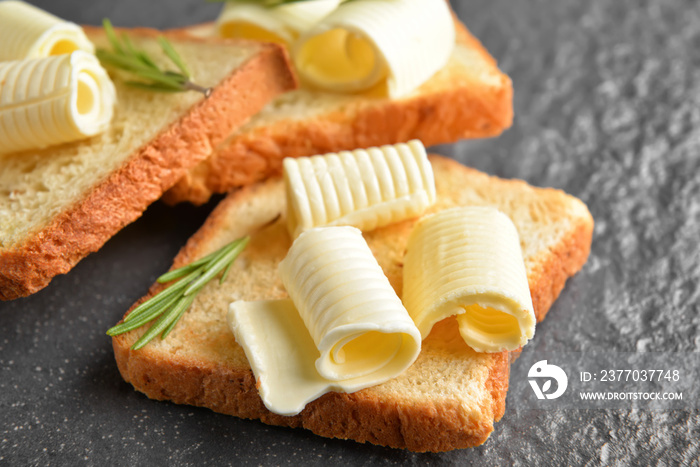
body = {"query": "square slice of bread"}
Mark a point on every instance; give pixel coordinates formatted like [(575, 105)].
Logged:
[(469, 98), (60, 203), (449, 398)]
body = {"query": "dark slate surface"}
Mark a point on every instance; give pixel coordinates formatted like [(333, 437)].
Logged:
[(607, 102)]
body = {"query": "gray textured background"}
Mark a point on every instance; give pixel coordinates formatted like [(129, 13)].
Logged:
[(607, 104)]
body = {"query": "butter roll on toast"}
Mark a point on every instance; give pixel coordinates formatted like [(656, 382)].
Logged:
[(468, 98), (60, 203), (448, 399)]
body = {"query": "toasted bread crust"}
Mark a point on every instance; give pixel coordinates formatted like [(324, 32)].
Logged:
[(358, 416), (464, 110), (431, 425), (565, 260), (126, 193)]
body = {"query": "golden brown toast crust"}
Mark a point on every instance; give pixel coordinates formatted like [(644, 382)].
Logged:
[(124, 195), (358, 416), (464, 109), (368, 415)]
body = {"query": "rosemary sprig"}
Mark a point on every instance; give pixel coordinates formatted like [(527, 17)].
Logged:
[(171, 303), (126, 57)]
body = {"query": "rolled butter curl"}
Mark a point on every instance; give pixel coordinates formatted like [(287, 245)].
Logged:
[(53, 100), (364, 188), (29, 32), (365, 42), (347, 303), (344, 329), (281, 24), (468, 262)]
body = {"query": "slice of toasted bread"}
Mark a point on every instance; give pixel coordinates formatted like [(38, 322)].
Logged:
[(448, 399), (61, 203), (469, 98)]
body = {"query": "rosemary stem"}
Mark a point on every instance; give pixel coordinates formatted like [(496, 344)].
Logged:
[(218, 265), (162, 323), (126, 56), (144, 318), (169, 305), (179, 272), (163, 295), (186, 303), (190, 86)]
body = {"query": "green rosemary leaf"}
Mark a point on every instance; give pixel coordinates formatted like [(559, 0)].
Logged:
[(127, 57), (161, 78), (111, 35), (175, 273), (144, 317), (157, 87), (163, 295), (170, 304), (127, 45), (228, 268), (138, 54), (212, 263), (123, 62), (137, 323), (218, 264), (146, 59), (187, 302), (173, 55), (223, 276), (162, 323)]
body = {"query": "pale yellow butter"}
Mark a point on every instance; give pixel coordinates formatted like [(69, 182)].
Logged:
[(365, 43), (343, 330), (468, 262), (53, 100), (365, 188), (29, 32), (282, 24)]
